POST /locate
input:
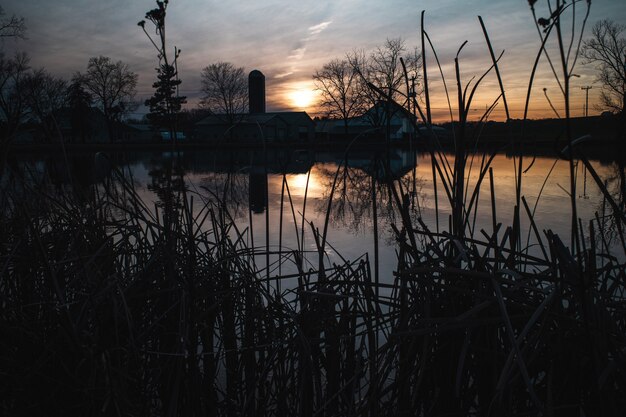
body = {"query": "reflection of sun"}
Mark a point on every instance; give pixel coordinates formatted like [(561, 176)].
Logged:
[(298, 184), (302, 98), (298, 181)]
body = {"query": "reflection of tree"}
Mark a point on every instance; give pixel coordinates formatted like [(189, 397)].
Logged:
[(356, 191), (608, 224), (230, 189), (167, 183)]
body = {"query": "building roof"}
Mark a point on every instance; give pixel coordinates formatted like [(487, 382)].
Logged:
[(293, 117), (140, 127), (289, 117), (221, 119)]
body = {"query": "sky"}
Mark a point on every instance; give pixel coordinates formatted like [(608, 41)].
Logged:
[(288, 40)]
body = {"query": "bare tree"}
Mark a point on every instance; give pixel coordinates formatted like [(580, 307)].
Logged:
[(340, 89), (607, 49), (225, 90), (382, 68), (13, 108), (113, 87), (11, 27), (45, 95)]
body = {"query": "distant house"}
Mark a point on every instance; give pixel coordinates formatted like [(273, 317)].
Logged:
[(300, 125), (373, 123), (166, 135), (140, 133), (271, 127)]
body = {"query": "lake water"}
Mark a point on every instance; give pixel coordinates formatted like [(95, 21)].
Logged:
[(299, 185), (362, 208)]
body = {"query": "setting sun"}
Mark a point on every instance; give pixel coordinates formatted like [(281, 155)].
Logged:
[(302, 98)]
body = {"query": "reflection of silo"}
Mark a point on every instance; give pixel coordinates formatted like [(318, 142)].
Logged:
[(256, 92), (257, 198)]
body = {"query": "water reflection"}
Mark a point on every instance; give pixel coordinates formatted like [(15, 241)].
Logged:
[(356, 194), (257, 190)]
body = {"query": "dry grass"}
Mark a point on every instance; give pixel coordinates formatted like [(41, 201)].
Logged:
[(110, 307)]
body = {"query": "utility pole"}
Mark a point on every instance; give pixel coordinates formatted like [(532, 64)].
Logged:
[(587, 88)]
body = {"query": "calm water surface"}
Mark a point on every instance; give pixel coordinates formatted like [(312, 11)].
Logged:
[(299, 186), (360, 209)]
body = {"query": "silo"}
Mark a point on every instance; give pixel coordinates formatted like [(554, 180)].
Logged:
[(256, 92)]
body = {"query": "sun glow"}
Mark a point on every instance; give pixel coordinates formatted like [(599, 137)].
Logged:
[(298, 181), (302, 98), (301, 184)]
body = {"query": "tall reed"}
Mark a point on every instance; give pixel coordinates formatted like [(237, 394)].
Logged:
[(112, 306)]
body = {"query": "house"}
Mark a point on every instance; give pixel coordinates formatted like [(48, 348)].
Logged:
[(139, 133), (380, 119), (300, 125), (270, 127)]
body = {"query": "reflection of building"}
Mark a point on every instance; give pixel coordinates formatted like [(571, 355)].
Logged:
[(257, 125), (392, 165), (257, 187)]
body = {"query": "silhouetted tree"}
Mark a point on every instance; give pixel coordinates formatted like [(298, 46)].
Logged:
[(13, 108), (341, 90), (45, 95), (12, 70), (165, 104), (382, 68), (607, 49), (187, 118), (113, 87), (225, 90), (79, 102), (11, 27)]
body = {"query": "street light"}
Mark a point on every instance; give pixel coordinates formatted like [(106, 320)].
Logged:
[(587, 88)]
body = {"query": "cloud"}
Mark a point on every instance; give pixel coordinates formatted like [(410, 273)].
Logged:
[(283, 75), (297, 53), (319, 28)]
